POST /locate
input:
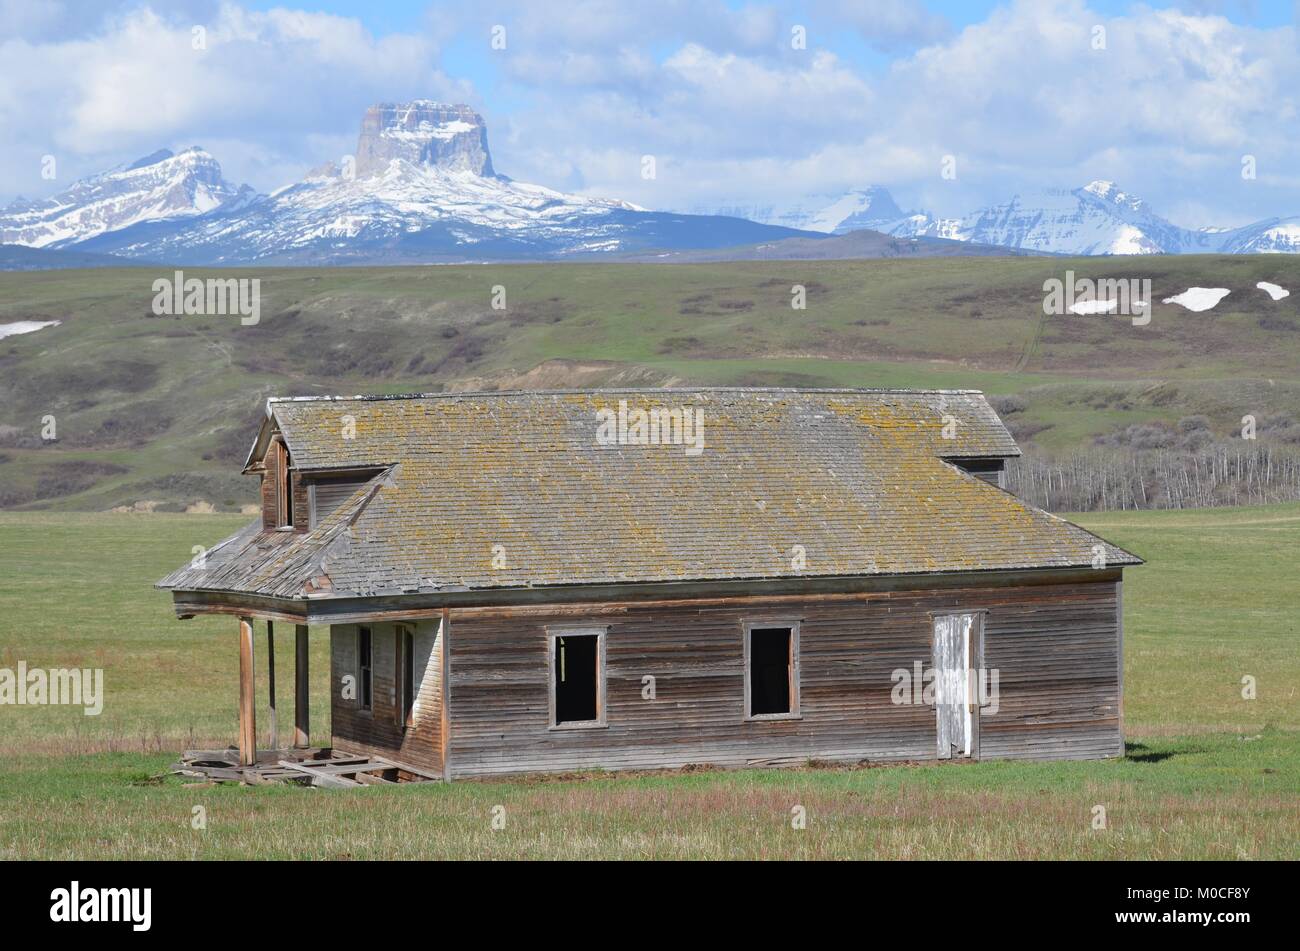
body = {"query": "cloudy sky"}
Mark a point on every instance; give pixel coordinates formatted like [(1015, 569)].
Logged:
[(1164, 99)]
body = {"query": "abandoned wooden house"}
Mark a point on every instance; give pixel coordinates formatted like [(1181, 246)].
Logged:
[(529, 582)]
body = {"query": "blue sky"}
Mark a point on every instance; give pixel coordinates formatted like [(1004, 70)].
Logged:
[(1016, 92)]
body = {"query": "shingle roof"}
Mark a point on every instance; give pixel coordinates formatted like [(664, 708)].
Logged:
[(502, 490)]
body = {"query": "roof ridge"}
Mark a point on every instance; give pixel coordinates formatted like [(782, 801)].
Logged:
[(380, 397)]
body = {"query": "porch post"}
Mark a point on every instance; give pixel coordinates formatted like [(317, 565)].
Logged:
[(247, 704), (274, 741), (301, 712)]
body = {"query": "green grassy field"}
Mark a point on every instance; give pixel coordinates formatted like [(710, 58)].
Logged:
[(162, 410), (1208, 774)]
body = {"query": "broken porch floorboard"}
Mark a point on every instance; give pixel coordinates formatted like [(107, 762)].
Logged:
[(317, 767)]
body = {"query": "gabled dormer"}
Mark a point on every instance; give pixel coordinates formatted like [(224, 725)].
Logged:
[(295, 498)]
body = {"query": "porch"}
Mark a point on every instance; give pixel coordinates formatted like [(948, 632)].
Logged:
[(299, 763)]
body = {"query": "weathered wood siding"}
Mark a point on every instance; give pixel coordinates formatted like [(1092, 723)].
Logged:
[(270, 491), (1055, 647), (325, 494), (377, 731), (1058, 658)]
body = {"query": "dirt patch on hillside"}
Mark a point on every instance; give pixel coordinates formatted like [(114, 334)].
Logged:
[(706, 305)]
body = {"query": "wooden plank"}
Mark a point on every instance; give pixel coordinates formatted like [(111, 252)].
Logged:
[(284, 500), (189, 604), (1119, 660), (247, 699), (336, 761), (406, 767), (301, 693), (334, 782), (228, 756), (319, 778), (339, 770), (274, 741), (444, 685), (231, 757), (209, 772)]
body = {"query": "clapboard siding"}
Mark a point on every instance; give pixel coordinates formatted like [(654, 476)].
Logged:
[(1055, 647), (327, 494), (377, 731), (1059, 669)]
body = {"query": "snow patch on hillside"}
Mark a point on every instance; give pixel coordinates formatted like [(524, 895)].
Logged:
[(1085, 307), (25, 327), (1199, 298)]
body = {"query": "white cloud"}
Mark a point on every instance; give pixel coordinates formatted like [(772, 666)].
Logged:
[(265, 86), (1167, 108), (731, 112), (1022, 100)]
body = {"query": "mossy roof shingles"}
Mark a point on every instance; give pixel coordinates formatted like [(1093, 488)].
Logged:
[(486, 491)]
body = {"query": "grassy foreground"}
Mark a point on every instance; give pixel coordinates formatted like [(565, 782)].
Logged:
[(1221, 796), (1208, 774)]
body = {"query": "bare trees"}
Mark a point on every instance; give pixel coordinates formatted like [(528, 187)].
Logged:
[(1236, 472)]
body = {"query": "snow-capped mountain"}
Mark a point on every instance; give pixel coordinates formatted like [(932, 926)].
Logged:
[(423, 133), (854, 210), (1274, 236), (1098, 218), (158, 187), (421, 187)]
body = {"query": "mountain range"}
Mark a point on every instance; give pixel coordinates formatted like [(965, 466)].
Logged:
[(422, 188), (160, 187), (1098, 218)]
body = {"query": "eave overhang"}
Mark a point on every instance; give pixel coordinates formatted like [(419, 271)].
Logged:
[(344, 609)]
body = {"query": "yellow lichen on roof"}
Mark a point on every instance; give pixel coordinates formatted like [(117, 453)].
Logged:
[(496, 490)]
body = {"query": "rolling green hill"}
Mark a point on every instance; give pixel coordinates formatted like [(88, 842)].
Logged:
[(161, 409)]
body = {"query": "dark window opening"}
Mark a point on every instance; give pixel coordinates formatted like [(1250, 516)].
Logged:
[(771, 670), (406, 663), (285, 479), (990, 470), (575, 672), (364, 664)]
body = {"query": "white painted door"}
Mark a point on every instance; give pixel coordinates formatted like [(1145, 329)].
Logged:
[(952, 683)]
